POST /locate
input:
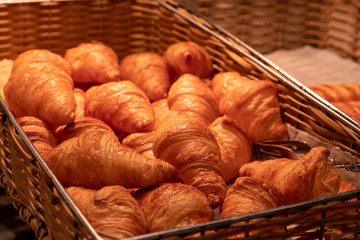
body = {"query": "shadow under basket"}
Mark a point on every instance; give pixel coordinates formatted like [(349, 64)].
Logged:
[(152, 25)]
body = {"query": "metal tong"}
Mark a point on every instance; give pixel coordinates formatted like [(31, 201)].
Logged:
[(294, 150)]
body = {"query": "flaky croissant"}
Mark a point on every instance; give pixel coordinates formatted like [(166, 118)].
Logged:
[(122, 105), (298, 180), (338, 93), (188, 57), (346, 186), (248, 195), (38, 133), (174, 205), (235, 147), (149, 71), (93, 62), (42, 55), (96, 158), (43, 90), (79, 126), (224, 82), (351, 108), (191, 95), (255, 108), (188, 144), (110, 210), (161, 109), (141, 142), (6, 66), (79, 95)]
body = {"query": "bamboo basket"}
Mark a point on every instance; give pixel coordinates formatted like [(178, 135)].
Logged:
[(151, 25)]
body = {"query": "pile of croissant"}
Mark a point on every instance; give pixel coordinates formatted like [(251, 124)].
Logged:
[(346, 97), (150, 142)]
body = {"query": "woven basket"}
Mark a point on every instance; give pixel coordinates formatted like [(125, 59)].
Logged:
[(151, 25)]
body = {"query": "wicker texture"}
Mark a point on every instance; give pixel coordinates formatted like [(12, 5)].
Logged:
[(287, 24), (147, 25)]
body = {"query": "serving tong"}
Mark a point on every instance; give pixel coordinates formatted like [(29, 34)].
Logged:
[(294, 150)]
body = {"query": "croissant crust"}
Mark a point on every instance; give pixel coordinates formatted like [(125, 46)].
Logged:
[(43, 90), (174, 205), (188, 144), (122, 105), (110, 210), (312, 176)]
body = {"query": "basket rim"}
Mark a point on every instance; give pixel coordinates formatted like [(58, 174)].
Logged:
[(222, 223)]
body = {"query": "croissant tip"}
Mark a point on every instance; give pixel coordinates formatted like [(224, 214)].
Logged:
[(144, 126), (214, 200)]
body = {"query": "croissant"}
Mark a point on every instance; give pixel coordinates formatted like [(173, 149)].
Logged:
[(161, 109), (42, 55), (42, 90), (149, 71), (5, 72), (351, 108), (110, 210), (79, 95), (255, 108), (188, 57), (190, 94), (93, 62), (38, 133), (346, 186), (79, 126), (122, 105), (224, 82), (96, 158), (187, 143), (235, 148), (298, 180), (338, 93), (174, 205), (248, 195), (141, 142)]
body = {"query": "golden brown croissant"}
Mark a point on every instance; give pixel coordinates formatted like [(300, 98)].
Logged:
[(256, 109), (235, 148), (6, 66), (249, 195), (298, 180), (338, 93), (224, 82), (42, 55), (188, 144), (79, 126), (141, 142), (351, 108), (38, 133), (43, 90), (149, 71), (93, 62), (174, 205), (161, 109), (79, 95), (122, 105), (110, 210), (96, 158), (346, 186), (188, 57), (191, 95)]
